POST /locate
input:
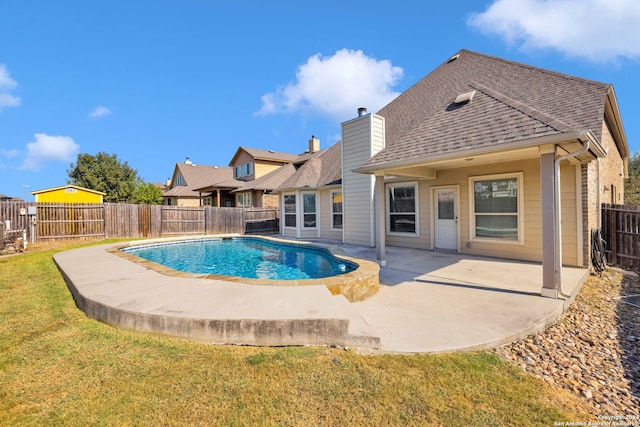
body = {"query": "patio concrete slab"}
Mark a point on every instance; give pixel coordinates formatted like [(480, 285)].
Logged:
[(428, 302)]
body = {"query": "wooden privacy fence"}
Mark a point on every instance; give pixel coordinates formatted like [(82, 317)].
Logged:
[(69, 221), (621, 232), (66, 221)]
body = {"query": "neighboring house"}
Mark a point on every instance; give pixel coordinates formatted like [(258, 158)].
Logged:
[(4, 198), (311, 204), (193, 185), (251, 164), (262, 189), (68, 194), (483, 156)]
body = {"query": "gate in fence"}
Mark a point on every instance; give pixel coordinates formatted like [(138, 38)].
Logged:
[(621, 232)]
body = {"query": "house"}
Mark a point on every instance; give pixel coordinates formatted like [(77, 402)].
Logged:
[(68, 194), (5, 198), (251, 164), (263, 188), (311, 202), (191, 185), (246, 182), (483, 156)]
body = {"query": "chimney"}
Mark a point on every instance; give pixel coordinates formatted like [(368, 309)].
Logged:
[(187, 161), (362, 111), (314, 144)]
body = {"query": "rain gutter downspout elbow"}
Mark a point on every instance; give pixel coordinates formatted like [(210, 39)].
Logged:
[(558, 231)]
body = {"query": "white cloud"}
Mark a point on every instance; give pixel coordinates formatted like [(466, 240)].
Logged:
[(599, 30), (336, 86), (9, 153), (6, 85), (99, 111), (48, 148)]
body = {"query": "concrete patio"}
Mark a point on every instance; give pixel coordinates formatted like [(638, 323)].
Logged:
[(428, 302)]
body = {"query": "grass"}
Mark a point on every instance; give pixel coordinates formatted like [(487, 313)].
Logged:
[(57, 367)]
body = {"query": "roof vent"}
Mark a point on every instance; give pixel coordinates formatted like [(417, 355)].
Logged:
[(271, 151), (362, 111), (453, 58), (463, 98)]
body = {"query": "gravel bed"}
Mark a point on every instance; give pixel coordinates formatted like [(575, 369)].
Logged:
[(594, 350)]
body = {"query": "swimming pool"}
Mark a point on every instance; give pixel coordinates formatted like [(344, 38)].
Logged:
[(355, 284), (247, 257)]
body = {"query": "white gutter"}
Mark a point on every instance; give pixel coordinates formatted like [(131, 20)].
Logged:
[(558, 231)]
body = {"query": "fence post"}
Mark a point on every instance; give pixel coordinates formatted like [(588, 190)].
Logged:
[(614, 234)]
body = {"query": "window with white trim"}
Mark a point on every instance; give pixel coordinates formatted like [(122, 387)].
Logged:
[(309, 210), (496, 207), (402, 208), (336, 209), (243, 170), (289, 210), (243, 200)]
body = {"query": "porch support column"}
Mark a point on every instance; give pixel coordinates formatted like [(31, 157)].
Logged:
[(218, 196), (548, 202), (380, 220)]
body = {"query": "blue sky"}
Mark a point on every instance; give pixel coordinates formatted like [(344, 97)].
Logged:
[(154, 82)]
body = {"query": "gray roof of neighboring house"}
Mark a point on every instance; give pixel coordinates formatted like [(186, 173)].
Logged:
[(302, 158), (325, 169), (200, 176), (257, 153), (512, 102), (269, 181)]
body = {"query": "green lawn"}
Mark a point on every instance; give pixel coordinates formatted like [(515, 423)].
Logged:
[(57, 367)]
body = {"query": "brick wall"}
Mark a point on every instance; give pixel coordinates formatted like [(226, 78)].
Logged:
[(611, 170)]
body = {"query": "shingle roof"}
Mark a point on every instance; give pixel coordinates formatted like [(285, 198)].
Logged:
[(512, 102), (199, 176), (269, 181), (257, 153), (322, 170)]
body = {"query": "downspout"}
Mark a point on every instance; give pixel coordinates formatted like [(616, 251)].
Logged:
[(558, 231)]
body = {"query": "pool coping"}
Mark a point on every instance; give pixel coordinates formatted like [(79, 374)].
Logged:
[(357, 285)]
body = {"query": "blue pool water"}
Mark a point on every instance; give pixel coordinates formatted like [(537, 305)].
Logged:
[(245, 257)]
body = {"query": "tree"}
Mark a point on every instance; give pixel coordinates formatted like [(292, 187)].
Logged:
[(632, 184), (104, 172), (147, 193)]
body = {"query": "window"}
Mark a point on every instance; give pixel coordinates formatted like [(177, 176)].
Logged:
[(290, 210), (243, 170), (243, 200), (179, 180), (402, 210), (309, 210), (496, 207), (336, 209)]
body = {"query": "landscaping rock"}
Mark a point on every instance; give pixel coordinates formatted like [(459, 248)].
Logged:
[(593, 351)]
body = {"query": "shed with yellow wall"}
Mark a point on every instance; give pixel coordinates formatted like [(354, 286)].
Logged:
[(68, 194)]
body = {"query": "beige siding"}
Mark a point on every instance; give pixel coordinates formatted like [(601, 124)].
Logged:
[(569, 213), (361, 138), (263, 167), (326, 232), (530, 249), (289, 232)]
